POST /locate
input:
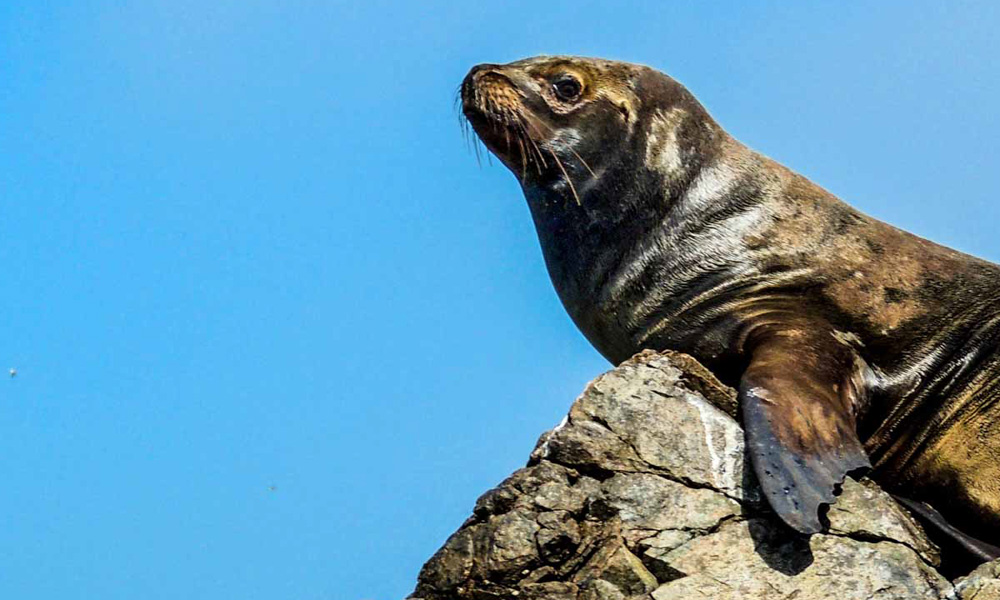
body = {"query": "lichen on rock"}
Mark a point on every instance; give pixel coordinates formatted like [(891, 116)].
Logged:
[(642, 493)]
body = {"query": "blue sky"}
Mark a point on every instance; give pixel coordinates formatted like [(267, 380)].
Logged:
[(244, 246)]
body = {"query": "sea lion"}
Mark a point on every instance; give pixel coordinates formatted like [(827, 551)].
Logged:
[(853, 345)]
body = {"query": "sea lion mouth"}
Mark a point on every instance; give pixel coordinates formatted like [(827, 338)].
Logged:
[(495, 108)]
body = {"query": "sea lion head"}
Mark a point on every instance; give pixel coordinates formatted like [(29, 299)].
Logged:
[(602, 151), (569, 126)]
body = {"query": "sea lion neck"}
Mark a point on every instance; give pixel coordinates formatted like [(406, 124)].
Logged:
[(639, 235)]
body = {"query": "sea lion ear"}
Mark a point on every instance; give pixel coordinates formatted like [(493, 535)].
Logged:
[(797, 399), (620, 99)]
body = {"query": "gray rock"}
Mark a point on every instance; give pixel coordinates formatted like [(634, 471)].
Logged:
[(645, 501), (642, 493), (981, 584), (754, 559)]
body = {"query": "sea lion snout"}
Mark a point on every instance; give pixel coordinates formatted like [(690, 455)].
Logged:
[(472, 82), (478, 72), (494, 105), (488, 92)]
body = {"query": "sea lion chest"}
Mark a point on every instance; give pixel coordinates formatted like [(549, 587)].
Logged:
[(638, 277)]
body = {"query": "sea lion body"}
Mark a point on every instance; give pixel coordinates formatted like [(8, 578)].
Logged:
[(853, 343)]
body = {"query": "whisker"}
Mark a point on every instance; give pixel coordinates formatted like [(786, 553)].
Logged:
[(465, 134), (565, 176), (584, 163), (574, 152), (538, 156), (540, 163), (524, 159), (541, 158), (519, 135), (562, 169)]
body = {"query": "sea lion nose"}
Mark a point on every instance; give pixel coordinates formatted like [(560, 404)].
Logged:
[(479, 70), (475, 76)]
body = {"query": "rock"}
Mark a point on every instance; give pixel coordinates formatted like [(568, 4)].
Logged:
[(754, 559), (642, 493), (981, 584)]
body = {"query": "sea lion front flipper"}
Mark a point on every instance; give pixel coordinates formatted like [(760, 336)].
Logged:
[(798, 399)]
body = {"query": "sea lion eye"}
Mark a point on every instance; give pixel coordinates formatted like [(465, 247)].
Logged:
[(567, 88)]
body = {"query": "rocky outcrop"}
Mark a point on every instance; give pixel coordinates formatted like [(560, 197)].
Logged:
[(981, 584), (642, 492)]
